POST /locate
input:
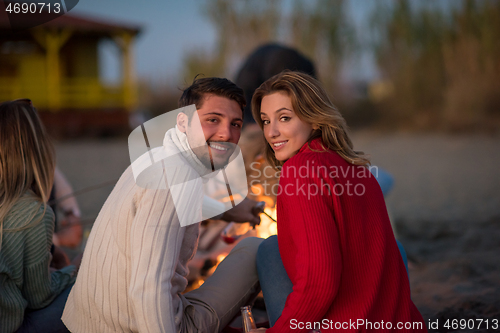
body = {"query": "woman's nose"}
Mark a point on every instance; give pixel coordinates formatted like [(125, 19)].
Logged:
[(272, 130)]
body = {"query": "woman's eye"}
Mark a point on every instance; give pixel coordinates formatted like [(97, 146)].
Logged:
[(284, 118), (265, 122)]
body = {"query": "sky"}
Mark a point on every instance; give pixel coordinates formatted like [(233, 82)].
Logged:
[(169, 30), (172, 28)]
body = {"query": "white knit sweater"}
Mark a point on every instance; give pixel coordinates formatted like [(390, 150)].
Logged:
[(135, 262)]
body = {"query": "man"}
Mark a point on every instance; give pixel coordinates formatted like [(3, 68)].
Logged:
[(134, 267), (263, 63)]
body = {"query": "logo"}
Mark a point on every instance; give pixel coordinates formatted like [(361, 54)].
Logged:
[(29, 14), (164, 158)]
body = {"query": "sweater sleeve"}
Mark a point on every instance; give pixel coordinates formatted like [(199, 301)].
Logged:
[(40, 286), (156, 238), (312, 230)]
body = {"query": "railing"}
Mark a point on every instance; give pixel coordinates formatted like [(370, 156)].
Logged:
[(78, 93)]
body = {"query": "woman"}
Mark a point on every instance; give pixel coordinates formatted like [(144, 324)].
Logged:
[(338, 265), (32, 296)]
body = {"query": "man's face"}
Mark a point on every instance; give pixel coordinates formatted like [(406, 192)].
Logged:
[(214, 135)]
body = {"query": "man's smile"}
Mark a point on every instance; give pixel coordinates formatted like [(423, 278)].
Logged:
[(221, 148)]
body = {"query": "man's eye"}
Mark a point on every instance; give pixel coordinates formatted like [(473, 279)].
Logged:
[(265, 122), (212, 120), (237, 125)]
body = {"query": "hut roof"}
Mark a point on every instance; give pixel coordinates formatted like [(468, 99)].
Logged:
[(78, 23)]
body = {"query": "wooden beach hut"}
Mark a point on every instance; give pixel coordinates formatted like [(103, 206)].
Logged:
[(56, 65)]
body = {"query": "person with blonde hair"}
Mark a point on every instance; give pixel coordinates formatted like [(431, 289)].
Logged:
[(32, 295), (335, 263)]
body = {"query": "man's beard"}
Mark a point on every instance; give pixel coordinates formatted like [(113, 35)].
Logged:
[(205, 155)]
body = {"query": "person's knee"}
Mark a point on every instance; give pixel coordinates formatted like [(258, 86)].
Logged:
[(249, 244), (268, 246), (401, 250)]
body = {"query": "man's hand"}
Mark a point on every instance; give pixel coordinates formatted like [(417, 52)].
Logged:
[(246, 211), (59, 258)]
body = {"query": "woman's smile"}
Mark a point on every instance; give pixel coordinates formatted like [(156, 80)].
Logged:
[(279, 144), (285, 132)]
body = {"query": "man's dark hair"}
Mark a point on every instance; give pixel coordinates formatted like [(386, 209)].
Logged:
[(265, 62), (195, 93)]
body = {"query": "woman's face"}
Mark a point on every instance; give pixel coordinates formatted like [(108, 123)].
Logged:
[(283, 129)]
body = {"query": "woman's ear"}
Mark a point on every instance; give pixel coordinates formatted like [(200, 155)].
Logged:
[(182, 122), (316, 127)]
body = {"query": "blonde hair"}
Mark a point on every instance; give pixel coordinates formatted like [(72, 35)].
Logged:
[(312, 105), (27, 161)]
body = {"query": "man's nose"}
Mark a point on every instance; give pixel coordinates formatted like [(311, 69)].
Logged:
[(224, 132)]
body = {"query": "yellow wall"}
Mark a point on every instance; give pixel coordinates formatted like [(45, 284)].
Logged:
[(81, 58), (70, 82), (32, 78)]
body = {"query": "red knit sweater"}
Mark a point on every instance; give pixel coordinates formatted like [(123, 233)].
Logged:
[(339, 249)]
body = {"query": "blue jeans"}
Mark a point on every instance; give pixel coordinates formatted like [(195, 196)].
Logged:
[(384, 179), (274, 281), (48, 319)]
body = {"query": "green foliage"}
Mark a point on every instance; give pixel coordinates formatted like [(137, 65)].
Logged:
[(439, 64), (322, 31), (443, 68), (241, 25), (318, 28)]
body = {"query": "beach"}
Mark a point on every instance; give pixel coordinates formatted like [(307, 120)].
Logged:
[(445, 207)]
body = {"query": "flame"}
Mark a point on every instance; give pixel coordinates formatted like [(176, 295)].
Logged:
[(257, 189), (220, 257), (267, 226), (234, 197), (273, 229)]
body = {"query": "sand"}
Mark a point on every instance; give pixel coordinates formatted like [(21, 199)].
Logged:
[(445, 205), (446, 208)]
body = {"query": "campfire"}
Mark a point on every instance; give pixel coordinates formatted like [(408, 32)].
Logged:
[(217, 238), (213, 246)]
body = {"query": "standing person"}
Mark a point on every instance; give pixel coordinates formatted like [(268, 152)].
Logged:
[(335, 261), (135, 263), (32, 297)]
